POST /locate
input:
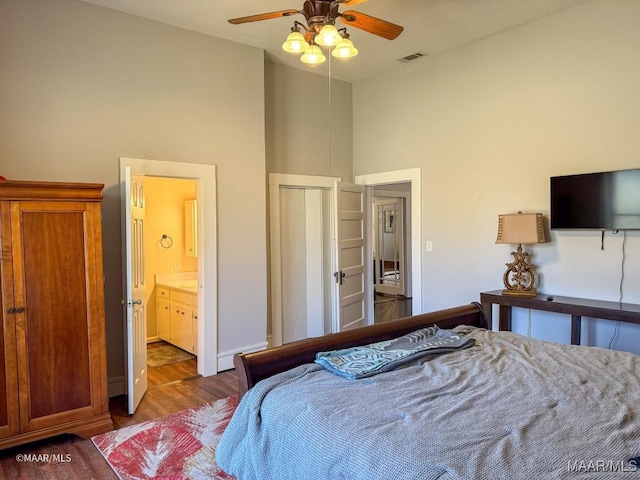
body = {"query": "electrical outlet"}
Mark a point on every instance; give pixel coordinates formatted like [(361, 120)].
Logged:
[(429, 246), (176, 266)]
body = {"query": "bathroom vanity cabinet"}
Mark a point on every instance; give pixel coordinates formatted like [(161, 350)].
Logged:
[(177, 317)]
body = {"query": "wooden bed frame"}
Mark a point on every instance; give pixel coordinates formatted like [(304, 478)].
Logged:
[(253, 367)]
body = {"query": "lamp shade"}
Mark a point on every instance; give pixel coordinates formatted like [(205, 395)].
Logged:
[(518, 228), (295, 43), (328, 36), (344, 49), (313, 55)]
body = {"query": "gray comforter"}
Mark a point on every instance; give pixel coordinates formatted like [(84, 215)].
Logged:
[(508, 408)]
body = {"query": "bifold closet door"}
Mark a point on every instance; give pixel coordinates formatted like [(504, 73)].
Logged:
[(306, 275)]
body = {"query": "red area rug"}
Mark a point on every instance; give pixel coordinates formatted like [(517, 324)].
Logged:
[(179, 446)]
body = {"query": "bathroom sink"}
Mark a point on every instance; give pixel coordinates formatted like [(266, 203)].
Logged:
[(190, 284)]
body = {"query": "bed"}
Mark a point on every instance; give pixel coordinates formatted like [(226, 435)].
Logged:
[(508, 407)]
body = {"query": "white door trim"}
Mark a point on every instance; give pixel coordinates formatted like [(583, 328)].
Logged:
[(205, 175), (277, 181), (413, 175)]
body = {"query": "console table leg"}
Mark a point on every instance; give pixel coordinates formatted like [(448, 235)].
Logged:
[(576, 327), (504, 320), (488, 314)]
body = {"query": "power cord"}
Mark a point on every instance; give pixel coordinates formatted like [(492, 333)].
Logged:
[(620, 289)]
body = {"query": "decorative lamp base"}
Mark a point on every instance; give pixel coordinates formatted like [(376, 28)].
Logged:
[(520, 293), (519, 279)]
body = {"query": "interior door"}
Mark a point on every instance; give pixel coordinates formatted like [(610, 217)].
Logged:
[(135, 300), (389, 246), (350, 256)]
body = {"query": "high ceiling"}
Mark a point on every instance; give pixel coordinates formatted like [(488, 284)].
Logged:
[(430, 26)]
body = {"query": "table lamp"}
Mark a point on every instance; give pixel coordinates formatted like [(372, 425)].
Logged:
[(520, 228)]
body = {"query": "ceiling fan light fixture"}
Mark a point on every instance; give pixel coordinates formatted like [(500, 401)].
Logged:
[(328, 36), (295, 43), (344, 49), (313, 56)]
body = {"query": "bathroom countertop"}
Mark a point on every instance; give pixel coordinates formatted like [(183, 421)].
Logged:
[(187, 286)]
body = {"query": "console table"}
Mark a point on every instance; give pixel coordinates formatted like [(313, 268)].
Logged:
[(576, 307)]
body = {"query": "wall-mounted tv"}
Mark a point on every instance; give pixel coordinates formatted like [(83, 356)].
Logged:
[(603, 201)]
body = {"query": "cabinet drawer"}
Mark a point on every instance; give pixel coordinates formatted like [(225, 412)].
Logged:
[(162, 292), (182, 297)]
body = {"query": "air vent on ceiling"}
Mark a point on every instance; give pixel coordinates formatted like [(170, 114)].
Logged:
[(412, 57)]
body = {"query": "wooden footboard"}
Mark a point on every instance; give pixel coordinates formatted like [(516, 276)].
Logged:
[(253, 367)]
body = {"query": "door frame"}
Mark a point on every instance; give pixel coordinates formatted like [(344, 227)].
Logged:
[(205, 176), (413, 176), (276, 182)]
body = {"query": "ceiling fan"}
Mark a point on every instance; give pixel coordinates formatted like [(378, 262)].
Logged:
[(320, 16)]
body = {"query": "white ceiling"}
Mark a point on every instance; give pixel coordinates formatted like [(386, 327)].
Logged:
[(430, 26)]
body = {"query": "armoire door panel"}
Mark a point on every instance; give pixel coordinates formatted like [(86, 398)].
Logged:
[(52, 273), (9, 413), (9, 410)]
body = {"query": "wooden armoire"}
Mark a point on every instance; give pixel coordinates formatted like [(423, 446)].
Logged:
[(53, 365)]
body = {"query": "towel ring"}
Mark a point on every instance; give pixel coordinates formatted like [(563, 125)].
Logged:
[(166, 241)]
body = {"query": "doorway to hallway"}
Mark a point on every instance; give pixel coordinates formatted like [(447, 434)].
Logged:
[(411, 179), (390, 307)]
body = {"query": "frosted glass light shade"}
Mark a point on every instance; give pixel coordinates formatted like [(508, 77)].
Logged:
[(344, 49), (328, 36), (313, 56), (295, 43)]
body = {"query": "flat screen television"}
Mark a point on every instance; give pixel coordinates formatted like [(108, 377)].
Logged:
[(602, 201)]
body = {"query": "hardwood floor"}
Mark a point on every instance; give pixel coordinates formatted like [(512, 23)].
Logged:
[(71, 457), (172, 372), (387, 308)]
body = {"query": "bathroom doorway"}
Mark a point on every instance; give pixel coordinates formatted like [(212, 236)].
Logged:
[(171, 266), (206, 320)]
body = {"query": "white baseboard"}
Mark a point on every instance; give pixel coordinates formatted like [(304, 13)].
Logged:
[(153, 339), (116, 386), (225, 359)]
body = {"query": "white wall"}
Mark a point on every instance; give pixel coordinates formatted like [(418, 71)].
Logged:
[(81, 86), (306, 133), (489, 123)]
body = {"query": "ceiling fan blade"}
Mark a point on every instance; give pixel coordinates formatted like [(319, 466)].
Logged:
[(263, 16), (351, 3), (371, 24)]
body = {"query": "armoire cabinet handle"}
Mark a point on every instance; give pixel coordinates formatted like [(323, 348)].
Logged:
[(19, 309), (11, 310)]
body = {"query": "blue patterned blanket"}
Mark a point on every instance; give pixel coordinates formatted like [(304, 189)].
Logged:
[(367, 360)]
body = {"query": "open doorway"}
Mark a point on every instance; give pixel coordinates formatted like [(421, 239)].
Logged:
[(171, 267), (391, 251), (406, 184), (132, 174)]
